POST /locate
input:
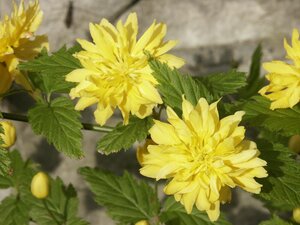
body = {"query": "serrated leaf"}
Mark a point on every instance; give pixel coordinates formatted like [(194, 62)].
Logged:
[(124, 136), (48, 71), (254, 82), (127, 200), (172, 85), (14, 211), (60, 207), (15, 208), (275, 221), (281, 189), (220, 84), (258, 113), (175, 214), (59, 123), (5, 163), (20, 174)]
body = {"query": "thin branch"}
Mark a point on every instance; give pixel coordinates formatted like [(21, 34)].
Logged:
[(86, 126)]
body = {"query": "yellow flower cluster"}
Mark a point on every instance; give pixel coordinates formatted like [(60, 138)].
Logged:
[(116, 73), (203, 157), (284, 87), (18, 42)]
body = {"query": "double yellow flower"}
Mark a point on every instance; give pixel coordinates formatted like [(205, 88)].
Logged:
[(18, 43)]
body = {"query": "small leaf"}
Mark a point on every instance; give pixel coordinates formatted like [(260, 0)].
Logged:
[(126, 200), (258, 113), (48, 71), (5, 163), (221, 84), (254, 81), (282, 187), (60, 124), (124, 136), (175, 214), (172, 85)]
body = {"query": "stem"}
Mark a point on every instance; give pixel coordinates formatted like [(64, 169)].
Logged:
[(12, 92), (86, 126), (50, 213)]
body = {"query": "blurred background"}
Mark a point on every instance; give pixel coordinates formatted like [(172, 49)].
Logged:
[(213, 35)]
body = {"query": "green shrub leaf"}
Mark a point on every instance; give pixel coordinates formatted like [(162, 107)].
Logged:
[(258, 113), (48, 71), (282, 187), (127, 200), (59, 123), (172, 85), (221, 84), (124, 136), (60, 207), (175, 214)]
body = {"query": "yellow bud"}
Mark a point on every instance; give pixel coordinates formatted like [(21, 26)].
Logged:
[(296, 215), (294, 143), (9, 135), (142, 222), (40, 185)]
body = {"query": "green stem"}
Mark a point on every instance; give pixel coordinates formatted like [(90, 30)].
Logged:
[(50, 213), (12, 92), (86, 126)]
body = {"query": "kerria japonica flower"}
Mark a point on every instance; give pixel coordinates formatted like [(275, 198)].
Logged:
[(116, 73), (284, 87), (18, 42), (202, 157)]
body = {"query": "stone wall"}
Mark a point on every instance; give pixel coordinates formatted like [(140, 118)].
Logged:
[(213, 35)]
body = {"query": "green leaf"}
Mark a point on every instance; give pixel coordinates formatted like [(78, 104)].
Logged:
[(172, 85), (15, 208), (275, 221), (254, 82), (60, 207), (14, 211), (258, 113), (48, 71), (175, 214), (59, 123), (127, 200), (124, 136), (21, 172), (221, 84), (281, 189), (5, 163)]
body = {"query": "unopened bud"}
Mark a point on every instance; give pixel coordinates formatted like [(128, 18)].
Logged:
[(296, 215), (40, 185), (142, 222), (294, 143), (9, 134)]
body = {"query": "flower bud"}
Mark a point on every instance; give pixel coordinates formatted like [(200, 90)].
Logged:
[(296, 215), (9, 135), (294, 143), (142, 222), (40, 185)]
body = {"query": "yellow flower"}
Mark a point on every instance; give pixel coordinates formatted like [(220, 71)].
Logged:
[(296, 215), (203, 157), (18, 42), (40, 185), (284, 87), (142, 150), (9, 134), (116, 73)]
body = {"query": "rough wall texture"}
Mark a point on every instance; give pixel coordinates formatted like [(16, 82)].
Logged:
[(213, 34)]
